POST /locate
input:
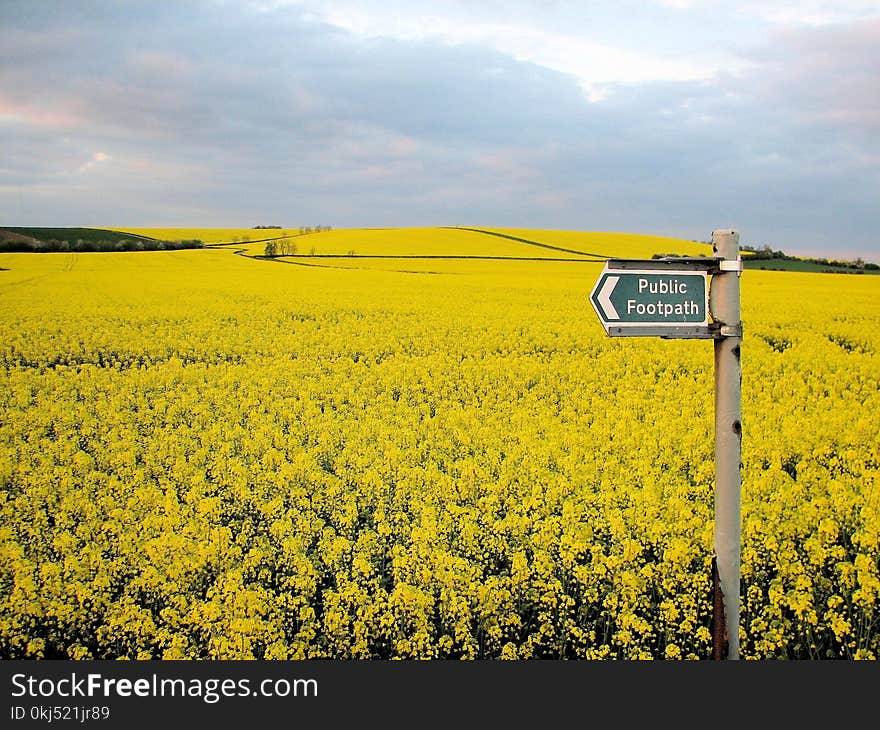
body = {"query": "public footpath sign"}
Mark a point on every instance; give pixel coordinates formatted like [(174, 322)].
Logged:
[(670, 297), (657, 297)]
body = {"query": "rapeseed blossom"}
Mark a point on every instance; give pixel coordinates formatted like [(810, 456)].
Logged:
[(203, 455)]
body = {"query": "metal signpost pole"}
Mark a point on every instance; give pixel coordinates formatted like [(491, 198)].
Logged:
[(668, 298), (724, 305)]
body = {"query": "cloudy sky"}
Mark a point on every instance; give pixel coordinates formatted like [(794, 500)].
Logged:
[(672, 117)]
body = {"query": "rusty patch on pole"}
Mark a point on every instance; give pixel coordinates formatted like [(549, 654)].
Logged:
[(719, 621)]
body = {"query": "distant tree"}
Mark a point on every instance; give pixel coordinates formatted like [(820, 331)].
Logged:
[(271, 249)]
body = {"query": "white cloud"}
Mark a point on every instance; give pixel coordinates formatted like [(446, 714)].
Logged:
[(596, 65), (95, 159), (809, 12)]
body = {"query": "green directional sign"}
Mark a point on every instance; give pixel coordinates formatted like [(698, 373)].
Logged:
[(663, 302)]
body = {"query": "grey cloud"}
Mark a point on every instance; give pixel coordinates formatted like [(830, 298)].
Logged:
[(825, 75)]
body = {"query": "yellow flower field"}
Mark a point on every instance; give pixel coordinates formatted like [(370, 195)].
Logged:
[(208, 455), (443, 242)]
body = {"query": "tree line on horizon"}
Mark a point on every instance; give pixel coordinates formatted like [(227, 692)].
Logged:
[(103, 246)]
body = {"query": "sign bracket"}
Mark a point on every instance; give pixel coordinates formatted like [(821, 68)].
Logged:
[(673, 264)]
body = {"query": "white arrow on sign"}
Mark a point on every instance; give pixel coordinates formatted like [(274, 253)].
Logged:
[(604, 297)]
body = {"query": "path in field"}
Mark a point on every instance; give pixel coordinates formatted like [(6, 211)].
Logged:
[(259, 240), (528, 241)]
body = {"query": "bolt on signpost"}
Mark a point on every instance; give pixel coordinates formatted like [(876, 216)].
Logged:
[(670, 298)]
